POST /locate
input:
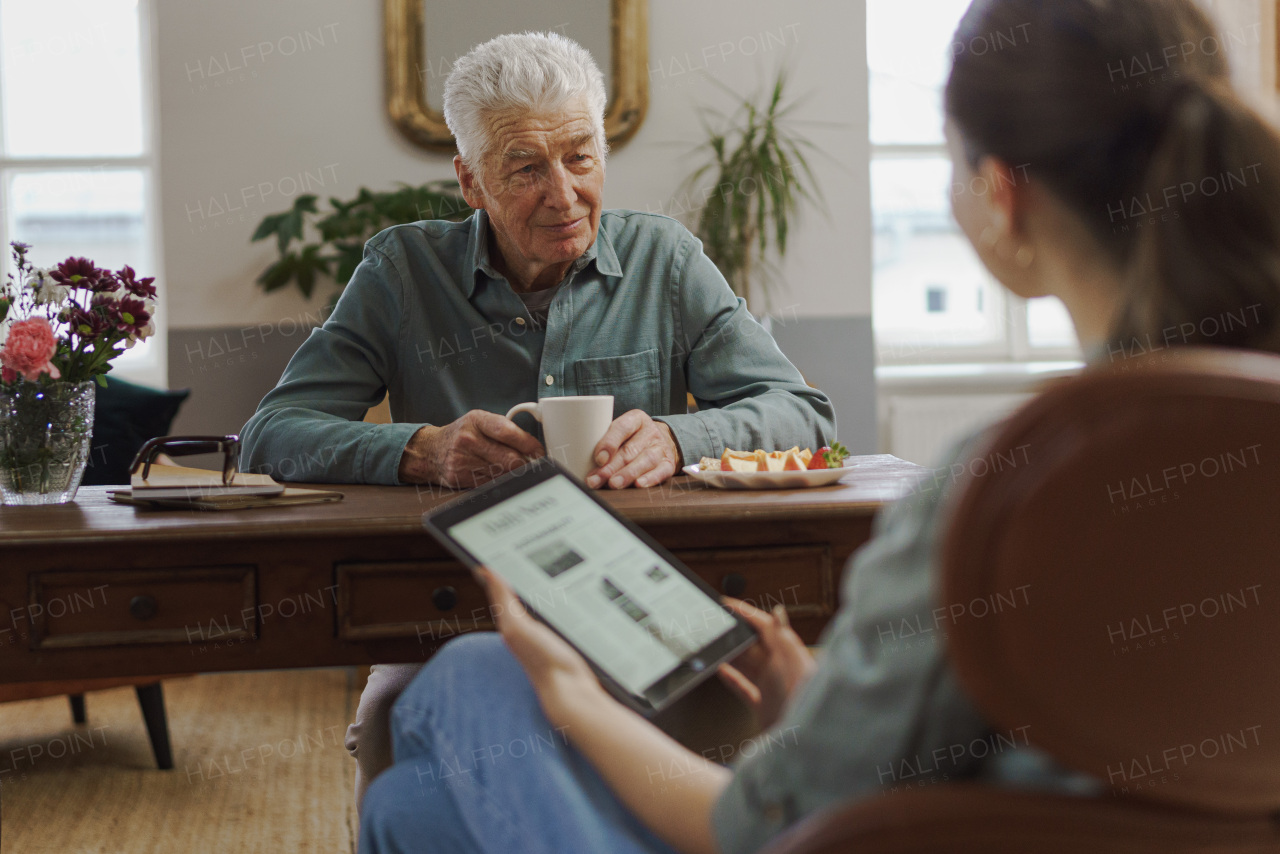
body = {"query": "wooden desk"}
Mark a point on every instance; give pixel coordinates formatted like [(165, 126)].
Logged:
[(96, 589)]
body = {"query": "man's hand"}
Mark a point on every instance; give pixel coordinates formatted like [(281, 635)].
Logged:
[(475, 449), (768, 674), (636, 449)]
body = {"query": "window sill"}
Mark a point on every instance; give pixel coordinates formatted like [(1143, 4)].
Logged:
[(990, 377)]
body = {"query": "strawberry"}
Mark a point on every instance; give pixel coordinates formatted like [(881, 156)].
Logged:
[(832, 457)]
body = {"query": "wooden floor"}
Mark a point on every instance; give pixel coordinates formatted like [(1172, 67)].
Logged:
[(259, 766)]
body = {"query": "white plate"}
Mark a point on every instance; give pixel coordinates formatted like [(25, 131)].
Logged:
[(767, 479)]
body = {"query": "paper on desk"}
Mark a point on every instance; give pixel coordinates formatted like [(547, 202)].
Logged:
[(179, 482), (290, 496)]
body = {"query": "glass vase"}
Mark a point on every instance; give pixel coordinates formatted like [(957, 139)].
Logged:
[(45, 433)]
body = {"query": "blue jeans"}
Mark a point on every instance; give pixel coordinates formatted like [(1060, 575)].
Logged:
[(480, 770)]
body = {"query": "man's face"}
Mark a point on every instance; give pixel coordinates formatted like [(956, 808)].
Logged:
[(542, 186)]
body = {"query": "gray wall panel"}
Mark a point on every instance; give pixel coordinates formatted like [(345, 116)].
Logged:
[(838, 355), (229, 370)]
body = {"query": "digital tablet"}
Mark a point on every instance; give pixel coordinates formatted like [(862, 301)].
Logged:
[(651, 629)]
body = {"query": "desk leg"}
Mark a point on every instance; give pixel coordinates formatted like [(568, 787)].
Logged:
[(77, 708), (151, 699)]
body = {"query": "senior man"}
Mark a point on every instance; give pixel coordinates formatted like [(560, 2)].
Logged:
[(540, 293)]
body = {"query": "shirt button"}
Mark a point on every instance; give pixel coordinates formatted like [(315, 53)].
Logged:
[(551, 380), (519, 321)]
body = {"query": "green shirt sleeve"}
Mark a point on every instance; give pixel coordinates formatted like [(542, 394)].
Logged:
[(309, 427), (749, 395)]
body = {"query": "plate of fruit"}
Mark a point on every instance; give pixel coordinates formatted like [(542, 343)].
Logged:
[(793, 469)]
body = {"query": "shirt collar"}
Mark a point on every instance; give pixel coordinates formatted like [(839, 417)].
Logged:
[(601, 252)]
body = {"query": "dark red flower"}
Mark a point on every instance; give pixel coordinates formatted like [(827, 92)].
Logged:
[(132, 315), (76, 273), (142, 288), (107, 283), (89, 324)]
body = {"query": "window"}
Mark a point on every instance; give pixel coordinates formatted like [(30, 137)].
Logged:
[(933, 299), (76, 157)]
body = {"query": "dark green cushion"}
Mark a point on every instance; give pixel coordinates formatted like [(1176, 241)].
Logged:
[(125, 416)]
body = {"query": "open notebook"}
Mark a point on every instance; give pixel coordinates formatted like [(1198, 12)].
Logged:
[(200, 489)]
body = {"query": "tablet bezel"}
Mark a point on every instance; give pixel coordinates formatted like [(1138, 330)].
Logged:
[(671, 687)]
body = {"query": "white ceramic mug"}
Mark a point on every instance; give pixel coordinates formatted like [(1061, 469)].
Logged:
[(571, 428)]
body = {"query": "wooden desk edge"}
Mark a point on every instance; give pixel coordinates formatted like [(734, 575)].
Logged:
[(395, 525)]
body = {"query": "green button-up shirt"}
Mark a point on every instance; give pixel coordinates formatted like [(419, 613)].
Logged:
[(644, 316)]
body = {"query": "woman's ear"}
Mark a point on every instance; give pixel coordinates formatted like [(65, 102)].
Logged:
[(469, 182), (995, 203), (1002, 191)]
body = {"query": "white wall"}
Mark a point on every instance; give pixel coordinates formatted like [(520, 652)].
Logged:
[(1246, 35), (258, 98)]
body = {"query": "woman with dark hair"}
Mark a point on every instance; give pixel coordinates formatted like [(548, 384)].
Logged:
[(1149, 205)]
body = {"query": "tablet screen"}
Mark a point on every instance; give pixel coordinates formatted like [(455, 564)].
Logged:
[(599, 585)]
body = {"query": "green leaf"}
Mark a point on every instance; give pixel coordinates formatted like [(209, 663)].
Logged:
[(306, 278), (269, 226), (309, 264), (290, 227), (278, 274)]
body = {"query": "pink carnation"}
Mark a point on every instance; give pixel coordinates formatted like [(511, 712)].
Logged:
[(29, 351)]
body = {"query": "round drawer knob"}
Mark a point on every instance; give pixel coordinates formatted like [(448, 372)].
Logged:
[(734, 584), (444, 598), (143, 607)]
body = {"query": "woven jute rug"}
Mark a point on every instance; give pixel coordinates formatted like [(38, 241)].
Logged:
[(259, 766)]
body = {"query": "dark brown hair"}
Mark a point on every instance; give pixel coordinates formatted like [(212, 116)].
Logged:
[(1125, 111)]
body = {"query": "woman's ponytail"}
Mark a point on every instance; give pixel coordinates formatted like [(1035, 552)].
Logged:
[(1205, 262)]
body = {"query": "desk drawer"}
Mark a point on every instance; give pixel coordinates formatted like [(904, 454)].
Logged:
[(432, 601), (153, 606), (425, 600), (798, 577)]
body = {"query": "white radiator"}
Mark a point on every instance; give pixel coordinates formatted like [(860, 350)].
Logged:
[(923, 427)]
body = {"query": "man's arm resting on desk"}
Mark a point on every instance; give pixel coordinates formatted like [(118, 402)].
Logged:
[(750, 395), (309, 428)]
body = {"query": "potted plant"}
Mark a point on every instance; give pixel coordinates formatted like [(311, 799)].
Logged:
[(61, 328), (344, 230), (762, 175)]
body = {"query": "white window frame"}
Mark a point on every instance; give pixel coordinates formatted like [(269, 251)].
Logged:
[(153, 368), (1015, 348)]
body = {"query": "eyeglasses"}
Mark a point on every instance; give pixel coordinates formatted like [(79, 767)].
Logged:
[(184, 446)]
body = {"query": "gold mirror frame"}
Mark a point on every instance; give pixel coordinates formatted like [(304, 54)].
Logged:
[(425, 127)]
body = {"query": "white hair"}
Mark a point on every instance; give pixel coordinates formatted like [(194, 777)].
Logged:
[(534, 72)]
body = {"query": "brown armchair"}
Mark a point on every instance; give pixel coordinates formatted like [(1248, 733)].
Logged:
[(1146, 529)]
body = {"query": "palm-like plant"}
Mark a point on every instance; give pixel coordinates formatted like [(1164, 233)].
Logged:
[(762, 175)]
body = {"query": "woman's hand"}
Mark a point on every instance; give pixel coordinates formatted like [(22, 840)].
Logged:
[(768, 674), (554, 667), (623, 747)]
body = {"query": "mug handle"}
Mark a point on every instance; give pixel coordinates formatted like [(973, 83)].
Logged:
[(532, 408)]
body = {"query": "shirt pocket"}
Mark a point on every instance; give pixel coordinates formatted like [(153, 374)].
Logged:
[(634, 381)]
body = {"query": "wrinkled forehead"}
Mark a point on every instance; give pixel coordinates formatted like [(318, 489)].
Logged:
[(522, 134)]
